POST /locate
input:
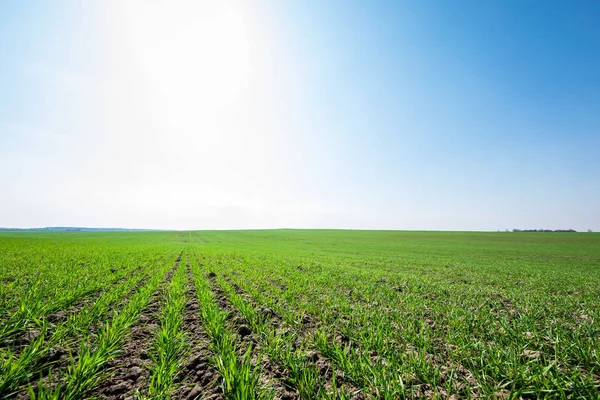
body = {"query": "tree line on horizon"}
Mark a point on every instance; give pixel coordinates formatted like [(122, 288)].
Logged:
[(546, 230)]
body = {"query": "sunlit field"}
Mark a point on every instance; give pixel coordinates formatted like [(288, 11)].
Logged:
[(299, 314)]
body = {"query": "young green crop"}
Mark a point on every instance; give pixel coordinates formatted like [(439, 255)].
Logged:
[(169, 343), (17, 370), (369, 308), (86, 371), (281, 346), (392, 314), (240, 378)]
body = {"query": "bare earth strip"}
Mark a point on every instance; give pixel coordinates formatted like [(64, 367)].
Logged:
[(198, 379)]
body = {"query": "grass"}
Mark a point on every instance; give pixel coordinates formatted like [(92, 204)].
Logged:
[(385, 313)]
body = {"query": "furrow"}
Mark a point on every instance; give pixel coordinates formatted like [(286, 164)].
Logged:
[(197, 377), (129, 369), (240, 372), (295, 369)]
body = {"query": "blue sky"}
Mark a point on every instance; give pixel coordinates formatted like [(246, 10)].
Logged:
[(444, 115)]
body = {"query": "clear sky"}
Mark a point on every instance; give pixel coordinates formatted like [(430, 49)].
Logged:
[(451, 115)]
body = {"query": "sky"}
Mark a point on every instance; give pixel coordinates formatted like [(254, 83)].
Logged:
[(408, 115)]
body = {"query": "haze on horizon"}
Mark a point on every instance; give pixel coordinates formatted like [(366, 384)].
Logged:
[(408, 115)]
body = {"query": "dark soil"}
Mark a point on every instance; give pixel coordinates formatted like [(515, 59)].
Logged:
[(198, 379), (314, 357), (129, 374), (273, 373), (58, 357)]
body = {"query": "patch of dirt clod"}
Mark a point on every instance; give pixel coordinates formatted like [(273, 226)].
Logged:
[(130, 374), (314, 357), (197, 378), (274, 373), (130, 367), (57, 358)]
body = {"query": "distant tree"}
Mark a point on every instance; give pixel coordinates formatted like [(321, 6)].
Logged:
[(589, 230)]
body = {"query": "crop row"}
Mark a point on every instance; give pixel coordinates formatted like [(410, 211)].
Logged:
[(80, 342), (189, 321), (400, 336)]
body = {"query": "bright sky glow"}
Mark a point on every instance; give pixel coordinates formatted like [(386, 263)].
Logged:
[(307, 114)]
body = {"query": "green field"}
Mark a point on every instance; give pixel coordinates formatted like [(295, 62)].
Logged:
[(292, 314)]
